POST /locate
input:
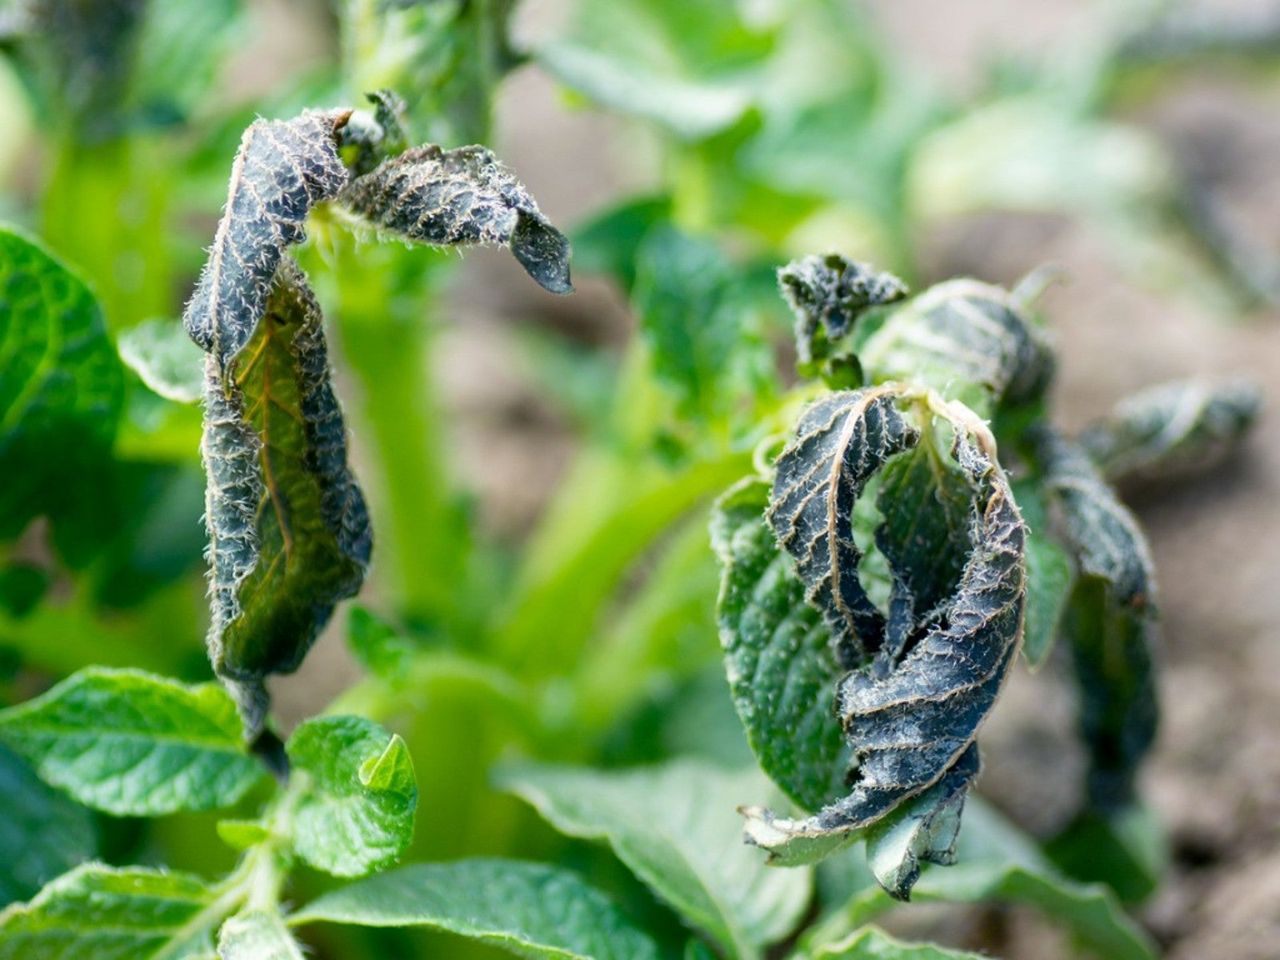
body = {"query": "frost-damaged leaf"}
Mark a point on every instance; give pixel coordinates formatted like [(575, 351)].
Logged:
[(133, 744), (356, 811), (531, 909), (1110, 619), (872, 944), (61, 387), (461, 197), (369, 139), (257, 936), (912, 713), (288, 529), (42, 833), (166, 360), (1172, 429), (110, 914), (675, 827), (282, 169), (828, 294), (778, 655)]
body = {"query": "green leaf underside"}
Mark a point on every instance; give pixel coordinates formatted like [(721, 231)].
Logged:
[(531, 909), (919, 682), (1109, 620), (60, 385), (132, 744), (870, 943), (676, 828), (1050, 576), (257, 936), (42, 833), (356, 812), (105, 913), (289, 530), (163, 356), (461, 197)]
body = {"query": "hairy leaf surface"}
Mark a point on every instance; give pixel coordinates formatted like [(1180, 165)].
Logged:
[(110, 914), (1172, 429), (461, 197), (828, 294), (133, 744), (257, 936), (1110, 620), (530, 909), (289, 531), (356, 812)]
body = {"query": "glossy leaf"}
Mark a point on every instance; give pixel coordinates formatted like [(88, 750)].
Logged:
[(675, 827), (130, 743), (356, 810), (166, 360), (461, 197), (288, 528), (111, 914), (530, 909), (257, 936), (828, 294)]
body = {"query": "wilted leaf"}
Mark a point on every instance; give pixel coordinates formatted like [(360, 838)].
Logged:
[(133, 744), (288, 529), (531, 909), (1171, 430), (257, 936), (356, 810), (162, 354), (110, 914), (461, 197), (828, 294), (675, 827)]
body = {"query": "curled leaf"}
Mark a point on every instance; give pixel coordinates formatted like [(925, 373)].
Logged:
[(282, 169), (1110, 619), (1172, 429), (912, 712), (828, 294), (461, 197), (288, 529), (372, 137)]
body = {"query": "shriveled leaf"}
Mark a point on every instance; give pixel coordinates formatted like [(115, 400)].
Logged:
[(1109, 621), (782, 669), (675, 827), (60, 387), (282, 169), (828, 294), (134, 744), (289, 532), (42, 833), (257, 936), (162, 354), (111, 914), (531, 909), (913, 711), (1172, 429), (461, 197), (356, 811), (1050, 576), (870, 943)]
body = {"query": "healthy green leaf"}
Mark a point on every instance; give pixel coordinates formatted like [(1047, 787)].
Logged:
[(1172, 429), (828, 294), (42, 833), (133, 744), (162, 354), (460, 197), (60, 386), (609, 242), (22, 585), (257, 936), (355, 812), (288, 528), (531, 909), (111, 914), (870, 943), (1050, 576), (675, 827)]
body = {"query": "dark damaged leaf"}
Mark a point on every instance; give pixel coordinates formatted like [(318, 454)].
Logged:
[(1172, 430), (912, 713), (282, 169), (371, 138), (461, 197), (1110, 619), (289, 533), (828, 294)]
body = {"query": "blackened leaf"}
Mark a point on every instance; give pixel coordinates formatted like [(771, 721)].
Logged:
[(778, 655), (1172, 429), (461, 197), (912, 713), (1110, 620), (368, 139), (282, 169), (828, 294), (289, 532)]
